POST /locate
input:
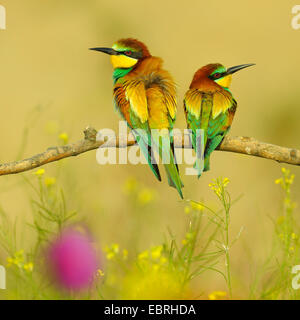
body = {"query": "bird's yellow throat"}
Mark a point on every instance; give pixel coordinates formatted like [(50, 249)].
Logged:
[(225, 81), (121, 61)]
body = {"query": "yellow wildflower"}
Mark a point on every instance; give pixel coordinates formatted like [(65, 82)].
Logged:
[(294, 236), (215, 188), (225, 182), (187, 210), (217, 295), (125, 254), (163, 260), (143, 255), (156, 252), (28, 267), (100, 273), (155, 267), (64, 137), (39, 172), (130, 186), (218, 185), (287, 180), (291, 179), (49, 181), (110, 255), (111, 251), (196, 205), (17, 259), (154, 283), (212, 186), (10, 262), (291, 249), (145, 196), (190, 235), (115, 247)]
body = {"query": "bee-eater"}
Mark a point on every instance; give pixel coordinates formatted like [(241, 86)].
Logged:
[(145, 95), (209, 105)]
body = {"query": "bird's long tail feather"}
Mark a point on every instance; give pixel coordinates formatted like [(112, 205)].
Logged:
[(211, 146), (199, 146), (167, 154), (145, 147)]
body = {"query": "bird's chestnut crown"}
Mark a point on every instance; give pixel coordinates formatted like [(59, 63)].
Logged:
[(125, 53), (223, 76)]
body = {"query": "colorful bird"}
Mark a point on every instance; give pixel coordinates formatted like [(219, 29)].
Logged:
[(210, 106), (145, 95)]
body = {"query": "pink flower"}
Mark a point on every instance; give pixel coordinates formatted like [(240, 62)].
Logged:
[(73, 260)]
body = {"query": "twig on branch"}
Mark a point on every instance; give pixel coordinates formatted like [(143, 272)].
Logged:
[(243, 145)]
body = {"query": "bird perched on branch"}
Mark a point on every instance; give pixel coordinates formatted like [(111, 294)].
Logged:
[(145, 95), (209, 105)]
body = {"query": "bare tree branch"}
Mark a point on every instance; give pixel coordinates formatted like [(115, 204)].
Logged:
[(243, 145)]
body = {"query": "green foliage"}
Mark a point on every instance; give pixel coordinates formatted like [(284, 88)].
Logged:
[(274, 279), (26, 269), (167, 270)]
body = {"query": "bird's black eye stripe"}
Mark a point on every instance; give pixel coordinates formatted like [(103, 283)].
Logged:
[(216, 75), (131, 54)]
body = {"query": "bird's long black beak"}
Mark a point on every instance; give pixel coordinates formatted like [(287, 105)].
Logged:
[(238, 68), (109, 51)]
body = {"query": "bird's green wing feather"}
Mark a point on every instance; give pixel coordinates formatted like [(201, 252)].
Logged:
[(219, 127), (135, 110), (162, 108), (211, 112), (198, 108), (136, 119)]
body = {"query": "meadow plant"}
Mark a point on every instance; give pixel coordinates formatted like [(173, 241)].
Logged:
[(273, 279), (27, 270), (166, 270)]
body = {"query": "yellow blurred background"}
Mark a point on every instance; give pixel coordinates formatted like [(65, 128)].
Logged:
[(51, 83)]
